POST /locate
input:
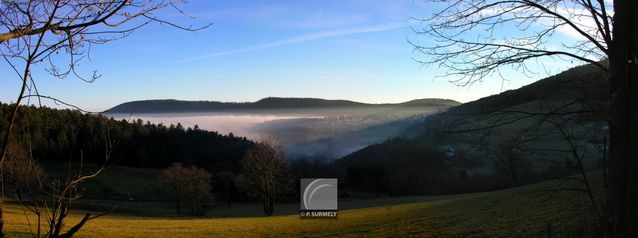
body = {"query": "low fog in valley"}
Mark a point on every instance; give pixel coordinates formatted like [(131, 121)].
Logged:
[(310, 133)]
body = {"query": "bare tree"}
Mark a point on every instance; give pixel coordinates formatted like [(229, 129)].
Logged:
[(267, 175), (470, 44), (50, 32), (63, 192), (227, 181), (49, 199), (20, 172), (510, 157), (187, 183), (200, 190)]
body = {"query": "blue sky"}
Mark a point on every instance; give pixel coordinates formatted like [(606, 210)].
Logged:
[(355, 50)]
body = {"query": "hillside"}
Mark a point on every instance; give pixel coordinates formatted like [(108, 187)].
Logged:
[(174, 106), (520, 212), (447, 148), (583, 81)]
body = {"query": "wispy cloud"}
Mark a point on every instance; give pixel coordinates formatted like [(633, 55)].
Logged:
[(299, 39), (321, 19), (251, 12)]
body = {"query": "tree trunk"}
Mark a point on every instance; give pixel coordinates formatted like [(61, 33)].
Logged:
[(1, 222), (75, 228), (513, 167), (265, 204), (271, 202), (622, 196), (268, 205), (178, 201)]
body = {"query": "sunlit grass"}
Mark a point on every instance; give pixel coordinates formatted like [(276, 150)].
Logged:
[(519, 212)]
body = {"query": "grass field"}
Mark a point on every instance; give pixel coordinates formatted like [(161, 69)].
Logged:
[(520, 212)]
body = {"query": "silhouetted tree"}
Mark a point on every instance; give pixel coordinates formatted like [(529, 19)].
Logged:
[(226, 179), (187, 183), (20, 173), (470, 44), (49, 200), (510, 157), (48, 31), (267, 175)]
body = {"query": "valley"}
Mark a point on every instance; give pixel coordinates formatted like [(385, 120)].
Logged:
[(314, 129), (402, 118)]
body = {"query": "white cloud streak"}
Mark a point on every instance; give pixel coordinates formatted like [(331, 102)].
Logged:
[(298, 39)]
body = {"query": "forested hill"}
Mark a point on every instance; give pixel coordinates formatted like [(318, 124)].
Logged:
[(69, 134), (584, 81), (425, 158), (579, 82), (170, 105)]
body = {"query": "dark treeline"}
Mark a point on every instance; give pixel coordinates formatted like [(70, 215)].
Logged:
[(63, 135)]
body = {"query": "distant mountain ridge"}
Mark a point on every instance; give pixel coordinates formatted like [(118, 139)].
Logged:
[(172, 105)]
